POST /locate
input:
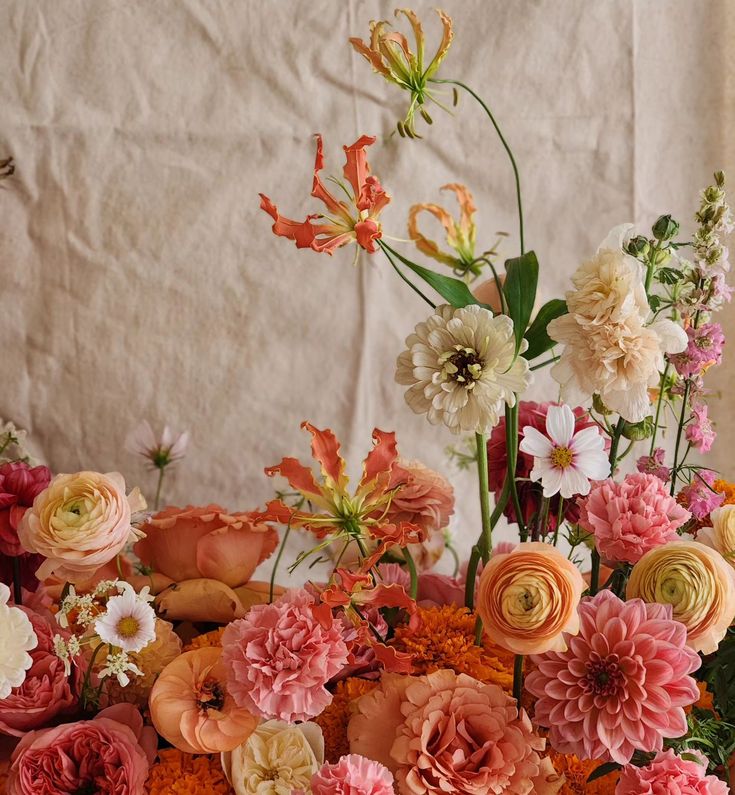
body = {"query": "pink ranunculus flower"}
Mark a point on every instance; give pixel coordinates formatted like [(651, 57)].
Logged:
[(669, 774), (20, 484), (110, 754), (621, 685), (629, 518), (47, 691), (280, 657), (353, 775)]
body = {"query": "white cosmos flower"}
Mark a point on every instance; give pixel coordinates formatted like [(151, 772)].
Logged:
[(128, 622), (161, 451), (565, 461), (17, 638), (461, 368)]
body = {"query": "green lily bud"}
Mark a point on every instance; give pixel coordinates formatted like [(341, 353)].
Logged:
[(637, 431), (665, 228)]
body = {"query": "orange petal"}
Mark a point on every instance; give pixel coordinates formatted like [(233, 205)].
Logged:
[(298, 476), (447, 36), (381, 458), (319, 190), (488, 293), (423, 244), (325, 449), (417, 32), (231, 553), (199, 600), (356, 167), (374, 57), (467, 210), (392, 660)]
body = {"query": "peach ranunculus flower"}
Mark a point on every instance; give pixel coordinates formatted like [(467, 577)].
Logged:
[(191, 707), (447, 732), (528, 598), (343, 222), (698, 584), (721, 535), (390, 55), (277, 759), (79, 523)]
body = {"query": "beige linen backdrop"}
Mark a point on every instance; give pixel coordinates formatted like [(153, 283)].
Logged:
[(140, 279)]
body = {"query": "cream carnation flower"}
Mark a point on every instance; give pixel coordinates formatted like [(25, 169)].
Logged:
[(276, 759), (461, 367), (721, 536), (17, 638)]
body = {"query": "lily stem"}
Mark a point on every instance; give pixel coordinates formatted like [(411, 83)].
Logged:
[(518, 679), (279, 554)]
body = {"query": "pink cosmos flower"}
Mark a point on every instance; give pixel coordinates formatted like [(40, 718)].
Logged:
[(110, 754), (669, 774), (159, 451), (704, 349), (700, 433), (352, 775), (629, 518), (654, 465), (19, 485), (621, 685), (699, 497), (343, 222), (280, 657)]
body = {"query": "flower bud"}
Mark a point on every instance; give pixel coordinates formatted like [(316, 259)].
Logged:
[(665, 228), (637, 431), (638, 246), (599, 406)]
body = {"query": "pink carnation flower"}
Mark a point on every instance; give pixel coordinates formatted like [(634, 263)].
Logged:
[(621, 685), (280, 657), (654, 464), (353, 775), (669, 774), (630, 518), (700, 433)]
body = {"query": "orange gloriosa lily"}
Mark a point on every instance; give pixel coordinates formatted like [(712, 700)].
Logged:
[(343, 222)]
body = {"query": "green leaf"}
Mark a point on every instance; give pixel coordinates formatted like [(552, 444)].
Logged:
[(520, 291), (603, 770), (668, 275), (538, 340)]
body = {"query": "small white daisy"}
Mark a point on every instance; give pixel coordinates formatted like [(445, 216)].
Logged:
[(128, 622), (120, 665), (565, 461), (17, 638)]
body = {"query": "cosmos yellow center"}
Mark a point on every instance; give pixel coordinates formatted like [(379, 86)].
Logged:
[(127, 627), (561, 457)]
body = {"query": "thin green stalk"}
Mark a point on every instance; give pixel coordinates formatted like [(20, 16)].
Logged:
[(279, 554), (507, 148), (511, 448), (518, 679), (559, 519), (412, 571), (483, 481), (88, 673), (386, 250), (539, 528), (679, 431), (545, 363), (659, 402), (469, 588), (157, 499)]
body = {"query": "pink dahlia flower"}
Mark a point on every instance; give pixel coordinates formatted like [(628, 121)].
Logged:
[(621, 685), (353, 775), (630, 518), (669, 774), (280, 656), (19, 485)]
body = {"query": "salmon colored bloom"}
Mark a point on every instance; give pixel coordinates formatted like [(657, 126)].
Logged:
[(671, 774), (192, 708), (528, 598), (343, 222), (696, 581), (390, 55)]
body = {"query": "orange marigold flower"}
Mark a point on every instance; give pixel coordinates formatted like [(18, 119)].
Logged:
[(445, 638), (334, 719), (726, 488), (213, 638), (706, 700), (577, 771), (177, 773)]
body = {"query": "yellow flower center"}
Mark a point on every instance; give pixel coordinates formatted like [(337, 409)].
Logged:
[(128, 627), (561, 457)]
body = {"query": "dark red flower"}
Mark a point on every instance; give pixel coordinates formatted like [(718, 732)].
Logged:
[(19, 485)]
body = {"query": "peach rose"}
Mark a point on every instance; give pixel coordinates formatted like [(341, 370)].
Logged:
[(79, 523), (696, 581), (192, 709), (528, 597)]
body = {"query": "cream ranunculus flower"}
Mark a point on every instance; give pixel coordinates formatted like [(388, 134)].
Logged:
[(461, 368), (696, 581), (277, 758), (721, 536), (79, 523)]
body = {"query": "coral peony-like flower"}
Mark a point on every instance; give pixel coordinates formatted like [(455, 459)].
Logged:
[(177, 773), (621, 685), (79, 522), (46, 691), (565, 460), (390, 56), (436, 590), (277, 759), (461, 368), (352, 775), (110, 754), (527, 599), (192, 707), (333, 720), (698, 584), (721, 535), (280, 657), (630, 518), (343, 222), (669, 773), (20, 484), (17, 638), (447, 732)]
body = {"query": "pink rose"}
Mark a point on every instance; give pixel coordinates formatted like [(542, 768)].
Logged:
[(353, 775), (669, 773), (46, 691), (19, 486), (109, 755)]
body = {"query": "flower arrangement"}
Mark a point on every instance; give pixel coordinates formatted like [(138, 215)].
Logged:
[(595, 654)]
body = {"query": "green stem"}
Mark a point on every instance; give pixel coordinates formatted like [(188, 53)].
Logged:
[(511, 447), (559, 519), (483, 481), (679, 431), (386, 250), (469, 588), (412, 571), (157, 499), (17, 587), (659, 403), (518, 679), (88, 673), (279, 554), (507, 148), (539, 529)]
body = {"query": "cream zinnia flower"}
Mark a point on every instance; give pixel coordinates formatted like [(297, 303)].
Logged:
[(17, 638), (461, 367)]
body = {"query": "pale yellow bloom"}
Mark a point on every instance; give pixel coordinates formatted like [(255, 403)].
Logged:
[(721, 536)]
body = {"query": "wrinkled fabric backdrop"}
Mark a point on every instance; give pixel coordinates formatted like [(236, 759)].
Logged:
[(140, 279)]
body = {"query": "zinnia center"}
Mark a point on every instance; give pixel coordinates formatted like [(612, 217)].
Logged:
[(463, 366), (210, 695), (128, 627), (561, 457)]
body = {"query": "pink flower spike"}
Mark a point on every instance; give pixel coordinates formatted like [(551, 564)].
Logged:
[(565, 461), (700, 433)]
